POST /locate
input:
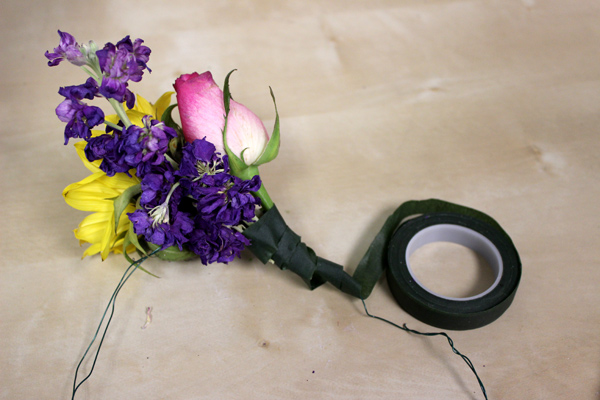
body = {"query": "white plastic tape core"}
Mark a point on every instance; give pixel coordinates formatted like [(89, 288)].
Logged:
[(459, 235)]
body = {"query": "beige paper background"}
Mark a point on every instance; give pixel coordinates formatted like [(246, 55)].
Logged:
[(491, 104)]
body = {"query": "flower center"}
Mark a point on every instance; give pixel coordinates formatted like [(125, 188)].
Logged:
[(211, 168), (160, 213)]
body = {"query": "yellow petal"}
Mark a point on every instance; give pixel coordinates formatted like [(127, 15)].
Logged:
[(136, 116), (108, 237), (112, 118), (92, 228), (90, 251), (143, 106), (124, 220), (162, 104), (90, 195), (93, 190), (92, 166), (120, 181)]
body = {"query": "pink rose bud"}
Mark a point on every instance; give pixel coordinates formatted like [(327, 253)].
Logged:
[(202, 112)]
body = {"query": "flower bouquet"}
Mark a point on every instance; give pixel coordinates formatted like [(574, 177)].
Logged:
[(193, 191), (156, 187)]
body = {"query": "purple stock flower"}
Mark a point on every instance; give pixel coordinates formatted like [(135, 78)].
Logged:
[(146, 146), (80, 117), (198, 206), (139, 53), (216, 243), (133, 147), (221, 197), (199, 159), (105, 147), (67, 49), (231, 203), (157, 185), (160, 220), (119, 64), (162, 234)]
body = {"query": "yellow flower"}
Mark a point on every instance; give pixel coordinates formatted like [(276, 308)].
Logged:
[(96, 192)]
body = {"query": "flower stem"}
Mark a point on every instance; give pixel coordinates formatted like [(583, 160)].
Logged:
[(264, 197), (118, 107), (87, 71), (116, 127), (247, 174)]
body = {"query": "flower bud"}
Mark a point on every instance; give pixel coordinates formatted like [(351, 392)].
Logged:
[(202, 112)]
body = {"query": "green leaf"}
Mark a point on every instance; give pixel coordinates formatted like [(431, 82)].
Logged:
[(132, 261), (148, 272), (172, 253), (133, 239), (272, 149), (126, 243), (121, 202)]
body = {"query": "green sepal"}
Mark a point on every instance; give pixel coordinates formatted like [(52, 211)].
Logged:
[(167, 118), (179, 141), (236, 164), (172, 253), (120, 203), (272, 149), (226, 93), (126, 243)]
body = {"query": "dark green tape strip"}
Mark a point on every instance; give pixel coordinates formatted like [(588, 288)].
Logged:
[(273, 240)]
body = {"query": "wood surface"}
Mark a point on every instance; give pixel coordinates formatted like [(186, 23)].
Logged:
[(490, 104)]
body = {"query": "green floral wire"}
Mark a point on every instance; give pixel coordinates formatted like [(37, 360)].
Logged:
[(134, 266), (111, 304), (450, 342)]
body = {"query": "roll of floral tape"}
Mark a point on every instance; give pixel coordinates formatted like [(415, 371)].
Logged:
[(453, 312)]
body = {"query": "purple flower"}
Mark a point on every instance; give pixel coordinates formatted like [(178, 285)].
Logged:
[(199, 159), (146, 146), (105, 148), (67, 49), (157, 233), (160, 219), (157, 185), (137, 147), (215, 243), (80, 117), (119, 64), (220, 196), (198, 206), (139, 53), (87, 90), (231, 203), (162, 233)]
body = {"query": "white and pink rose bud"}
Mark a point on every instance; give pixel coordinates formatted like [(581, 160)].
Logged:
[(202, 111)]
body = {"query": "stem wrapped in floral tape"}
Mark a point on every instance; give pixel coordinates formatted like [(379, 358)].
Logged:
[(273, 240)]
